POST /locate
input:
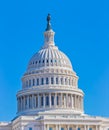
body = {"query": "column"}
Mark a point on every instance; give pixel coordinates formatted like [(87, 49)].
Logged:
[(97, 127), (50, 100), (44, 100), (82, 103), (61, 103), (28, 102), (38, 101), (88, 127), (59, 127), (47, 126), (21, 104), (76, 127), (24, 103), (85, 128), (72, 101), (33, 101), (67, 101), (55, 100), (56, 127), (67, 127), (75, 102)]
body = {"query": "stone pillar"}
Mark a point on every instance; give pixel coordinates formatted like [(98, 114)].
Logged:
[(56, 127), (38, 101), (24, 103), (67, 127), (34, 101), (44, 100), (33, 104), (85, 128), (82, 104), (47, 126), (55, 100), (88, 127), (60, 99), (50, 100), (67, 101), (28, 102), (75, 101), (72, 101), (59, 127)]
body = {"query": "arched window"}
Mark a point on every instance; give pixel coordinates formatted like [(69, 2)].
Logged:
[(33, 82), (37, 83), (47, 100), (42, 81), (29, 83), (42, 101), (52, 80), (52, 100), (56, 80), (47, 81)]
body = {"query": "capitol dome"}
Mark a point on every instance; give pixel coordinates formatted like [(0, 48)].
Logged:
[(49, 56), (49, 84)]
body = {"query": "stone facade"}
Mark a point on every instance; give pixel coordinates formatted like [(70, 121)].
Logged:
[(50, 98)]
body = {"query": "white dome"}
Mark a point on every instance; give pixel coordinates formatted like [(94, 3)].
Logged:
[(49, 56)]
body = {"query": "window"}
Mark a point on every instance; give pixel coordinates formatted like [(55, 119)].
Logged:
[(29, 83), (51, 80), (47, 61), (50, 128), (30, 128), (33, 82), (42, 81), (46, 80), (42, 101), (47, 100), (70, 128), (62, 128), (56, 80), (90, 128), (52, 100), (37, 81), (79, 128)]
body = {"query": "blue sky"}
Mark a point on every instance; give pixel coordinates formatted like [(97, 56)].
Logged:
[(82, 32)]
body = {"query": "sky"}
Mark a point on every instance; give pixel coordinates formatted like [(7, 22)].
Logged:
[(82, 33)]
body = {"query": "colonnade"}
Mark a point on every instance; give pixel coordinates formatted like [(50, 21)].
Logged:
[(50, 100), (71, 127), (50, 80)]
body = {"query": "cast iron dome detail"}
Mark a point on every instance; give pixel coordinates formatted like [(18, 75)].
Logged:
[(50, 84)]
